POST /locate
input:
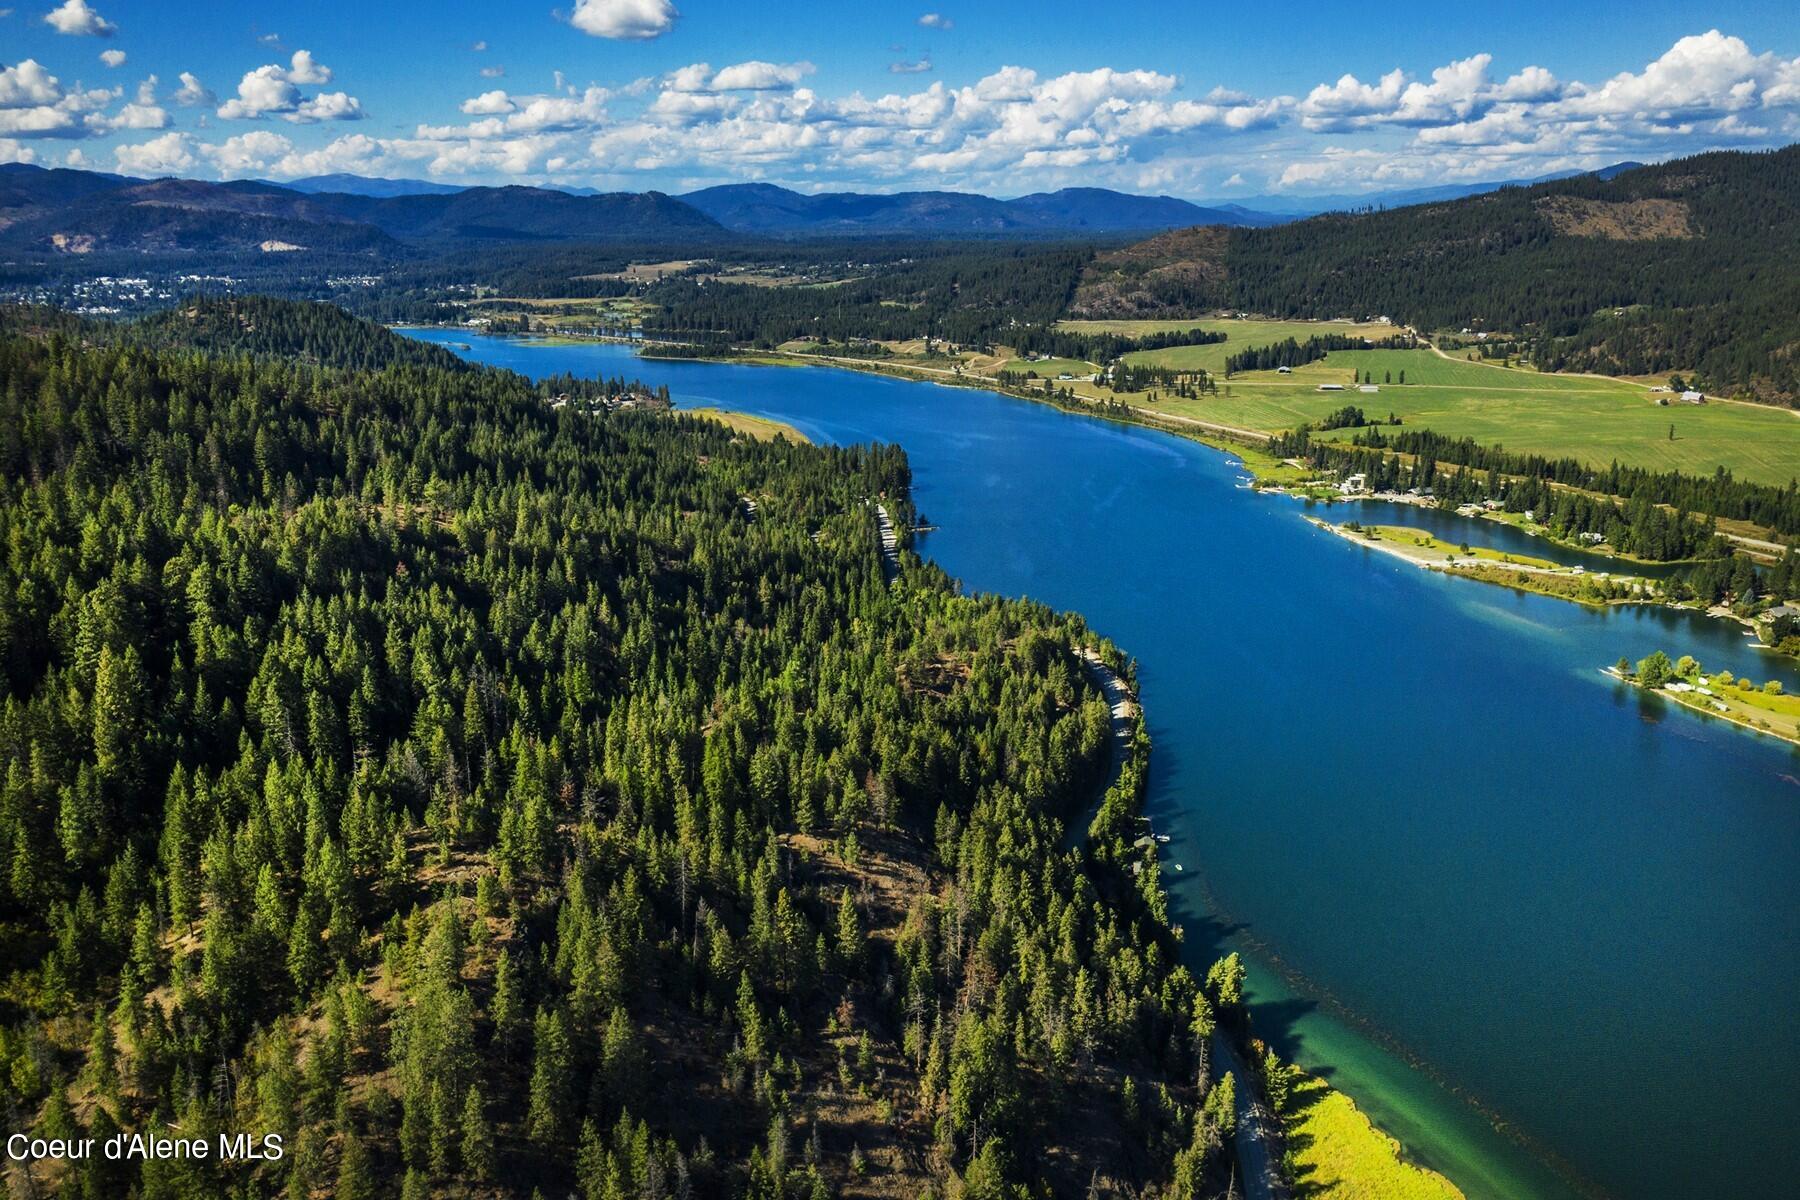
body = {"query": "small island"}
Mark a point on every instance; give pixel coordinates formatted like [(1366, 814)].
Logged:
[(1765, 707)]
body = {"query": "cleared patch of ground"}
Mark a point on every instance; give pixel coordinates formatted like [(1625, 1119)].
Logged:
[(1619, 220)]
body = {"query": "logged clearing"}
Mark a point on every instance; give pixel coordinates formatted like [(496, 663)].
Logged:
[(1621, 220)]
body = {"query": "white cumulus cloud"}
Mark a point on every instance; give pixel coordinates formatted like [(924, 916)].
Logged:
[(28, 85), (192, 92), (248, 153), (75, 18), (624, 19), (165, 155), (274, 90)]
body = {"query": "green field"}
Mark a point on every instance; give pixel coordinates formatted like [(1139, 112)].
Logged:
[(1593, 419), (1419, 544), (1050, 368), (1239, 336)]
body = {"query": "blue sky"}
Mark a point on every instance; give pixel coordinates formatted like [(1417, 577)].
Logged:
[(1001, 96)]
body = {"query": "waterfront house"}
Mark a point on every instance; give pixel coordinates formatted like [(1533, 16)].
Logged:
[(1354, 485)]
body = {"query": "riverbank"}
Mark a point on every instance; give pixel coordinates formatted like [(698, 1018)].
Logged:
[(1321, 1146), (1486, 565), (1756, 709)]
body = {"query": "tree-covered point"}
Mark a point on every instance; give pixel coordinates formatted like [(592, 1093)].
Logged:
[(308, 332), (967, 294), (485, 798)]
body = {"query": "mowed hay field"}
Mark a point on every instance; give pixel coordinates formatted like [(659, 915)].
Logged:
[(1589, 418), (1050, 368), (1239, 335)]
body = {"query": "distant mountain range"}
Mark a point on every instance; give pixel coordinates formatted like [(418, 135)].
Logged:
[(81, 212), (1277, 208), (58, 211), (363, 185), (766, 209)]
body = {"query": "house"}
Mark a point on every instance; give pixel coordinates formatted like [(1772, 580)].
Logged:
[(1593, 539), (1692, 397), (1065, 375), (1368, 387), (1284, 370), (1331, 387), (1354, 485)]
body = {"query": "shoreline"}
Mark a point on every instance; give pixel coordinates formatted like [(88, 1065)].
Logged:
[(1695, 706), (1468, 567)]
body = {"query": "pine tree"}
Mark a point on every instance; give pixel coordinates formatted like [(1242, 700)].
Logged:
[(478, 1137), (546, 1121), (356, 1176), (851, 938), (120, 705)]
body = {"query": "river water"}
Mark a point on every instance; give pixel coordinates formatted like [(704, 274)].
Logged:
[(1544, 929)]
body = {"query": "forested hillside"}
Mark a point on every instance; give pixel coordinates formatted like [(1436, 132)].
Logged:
[(966, 293), (1677, 267), (488, 801), (308, 332)]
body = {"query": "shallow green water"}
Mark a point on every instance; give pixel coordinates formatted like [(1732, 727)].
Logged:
[(1465, 864)]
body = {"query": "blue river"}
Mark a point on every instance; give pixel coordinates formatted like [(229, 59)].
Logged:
[(1544, 929)]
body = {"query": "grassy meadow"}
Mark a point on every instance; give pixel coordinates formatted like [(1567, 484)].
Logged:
[(1050, 368), (1334, 1153), (1586, 417), (761, 429)]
